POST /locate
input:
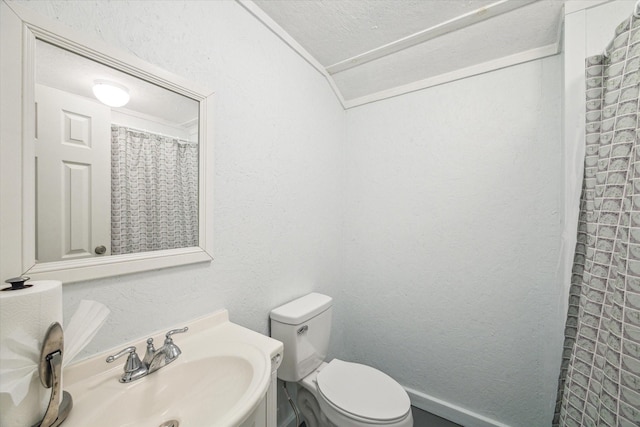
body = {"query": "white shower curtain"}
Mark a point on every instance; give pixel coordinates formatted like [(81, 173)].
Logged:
[(600, 379), (154, 186)]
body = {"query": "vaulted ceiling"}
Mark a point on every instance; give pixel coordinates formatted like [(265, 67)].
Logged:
[(372, 49)]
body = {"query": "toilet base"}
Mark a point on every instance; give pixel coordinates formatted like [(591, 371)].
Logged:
[(308, 401), (310, 410)]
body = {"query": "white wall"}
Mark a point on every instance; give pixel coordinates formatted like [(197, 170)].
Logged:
[(601, 22), (452, 233), (278, 130)]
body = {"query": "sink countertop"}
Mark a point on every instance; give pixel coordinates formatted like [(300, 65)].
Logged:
[(210, 335)]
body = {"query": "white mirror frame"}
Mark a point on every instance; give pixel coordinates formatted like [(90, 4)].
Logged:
[(19, 29)]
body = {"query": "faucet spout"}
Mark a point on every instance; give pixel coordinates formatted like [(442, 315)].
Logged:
[(167, 353), (159, 360)]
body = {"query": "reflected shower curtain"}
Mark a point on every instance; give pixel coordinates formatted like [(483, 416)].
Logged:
[(600, 379), (154, 186)]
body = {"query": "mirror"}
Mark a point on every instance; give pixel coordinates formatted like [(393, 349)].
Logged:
[(105, 190), (110, 179)]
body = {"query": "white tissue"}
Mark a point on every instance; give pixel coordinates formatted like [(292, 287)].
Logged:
[(18, 356), (83, 326), (20, 353)]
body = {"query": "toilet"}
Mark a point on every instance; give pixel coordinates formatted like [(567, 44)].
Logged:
[(334, 393)]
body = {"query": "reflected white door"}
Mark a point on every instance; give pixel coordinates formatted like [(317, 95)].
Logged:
[(73, 176)]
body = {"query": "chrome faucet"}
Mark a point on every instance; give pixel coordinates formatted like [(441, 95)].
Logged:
[(153, 360)]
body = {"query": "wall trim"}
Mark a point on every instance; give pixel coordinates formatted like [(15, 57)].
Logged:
[(449, 411), (580, 5), (475, 16), (462, 73), (276, 29)]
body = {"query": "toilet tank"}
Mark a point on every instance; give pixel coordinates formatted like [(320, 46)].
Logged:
[(303, 326)]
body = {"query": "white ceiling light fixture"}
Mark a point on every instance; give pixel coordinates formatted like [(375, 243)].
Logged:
[(110, 93)]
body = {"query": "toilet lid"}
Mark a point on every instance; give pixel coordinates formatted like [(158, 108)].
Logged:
[(362, 391)]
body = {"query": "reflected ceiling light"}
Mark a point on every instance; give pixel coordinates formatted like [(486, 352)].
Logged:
[(110, 93)]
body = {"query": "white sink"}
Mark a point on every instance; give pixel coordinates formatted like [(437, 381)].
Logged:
[(220, 378)]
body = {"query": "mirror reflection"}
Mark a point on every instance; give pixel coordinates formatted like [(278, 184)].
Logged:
[(116, 172)]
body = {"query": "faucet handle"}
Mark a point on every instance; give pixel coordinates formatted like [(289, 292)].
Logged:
[(133, 368), (175, 331), (129, 350), (171, 350)]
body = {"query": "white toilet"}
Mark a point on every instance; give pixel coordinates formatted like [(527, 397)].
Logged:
[(336, 393)]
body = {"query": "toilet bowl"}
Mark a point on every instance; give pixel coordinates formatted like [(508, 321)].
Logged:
[(347, 394), (337, 393)]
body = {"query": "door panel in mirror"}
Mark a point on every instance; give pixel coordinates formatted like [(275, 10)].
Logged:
[(73, 175)]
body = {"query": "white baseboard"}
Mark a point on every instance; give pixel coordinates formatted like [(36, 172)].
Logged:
[(449, 411), (436, 406)]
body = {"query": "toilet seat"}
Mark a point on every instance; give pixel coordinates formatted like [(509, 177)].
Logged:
[(362, 392)]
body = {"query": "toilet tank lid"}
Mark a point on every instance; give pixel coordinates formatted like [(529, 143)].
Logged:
[(302, 309)]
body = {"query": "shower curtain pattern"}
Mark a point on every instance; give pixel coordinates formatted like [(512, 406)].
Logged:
[(600, 378), (154, 185)]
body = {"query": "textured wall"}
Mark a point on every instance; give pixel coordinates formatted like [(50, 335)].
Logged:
[(278, 132), (601, 22), (452, 232)]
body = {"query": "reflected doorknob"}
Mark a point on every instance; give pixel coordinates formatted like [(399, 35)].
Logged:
[(100, 249)]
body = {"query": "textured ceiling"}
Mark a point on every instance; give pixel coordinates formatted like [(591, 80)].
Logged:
[(335, 33)]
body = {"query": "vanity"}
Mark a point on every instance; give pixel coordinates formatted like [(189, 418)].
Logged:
[(225, 376)]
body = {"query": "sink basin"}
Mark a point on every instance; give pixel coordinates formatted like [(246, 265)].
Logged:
[(217, 381), (195, 393)]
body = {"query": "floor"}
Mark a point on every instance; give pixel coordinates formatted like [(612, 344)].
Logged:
[(425, 419)]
